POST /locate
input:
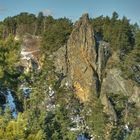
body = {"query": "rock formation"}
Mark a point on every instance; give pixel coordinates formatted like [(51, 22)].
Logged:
[(30, 53), (103, 55), (85, 63), (115, 83), (83, 60)]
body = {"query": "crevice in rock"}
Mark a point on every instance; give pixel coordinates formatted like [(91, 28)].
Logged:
[(102, 55), (97, 80), (66, 60), (98, 85), (96, 48), (109, 108)]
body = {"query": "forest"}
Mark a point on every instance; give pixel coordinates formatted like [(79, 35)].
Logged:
[(40, 108)]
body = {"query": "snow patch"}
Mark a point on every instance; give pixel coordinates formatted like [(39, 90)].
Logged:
[(10, 103), (27, 55), (51, 92)]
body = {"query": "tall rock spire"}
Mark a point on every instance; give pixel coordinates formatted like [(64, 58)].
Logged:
[(81, 56), (83, 60)]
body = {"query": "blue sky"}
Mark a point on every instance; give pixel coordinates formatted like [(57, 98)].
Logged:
[(72, 9)]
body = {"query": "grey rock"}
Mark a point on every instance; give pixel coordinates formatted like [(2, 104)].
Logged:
[(115, 83), (104, 53), (60, 60), (30, 53), (109, 108)]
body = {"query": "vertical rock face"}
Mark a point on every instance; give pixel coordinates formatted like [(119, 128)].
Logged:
[(81, 59), (103, 56)]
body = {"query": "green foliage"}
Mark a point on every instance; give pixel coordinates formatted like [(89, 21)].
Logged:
[(29, 23), (117, 133), (124, 39), (118, 32), (134, 136), (40, 23), (130, 66), (127, 114), (114, 16), (23, 23), (56, 35), (37, 121), (20, 24), (119, 102), (1, 30), (18, 129), (9, 57), (95, 119)]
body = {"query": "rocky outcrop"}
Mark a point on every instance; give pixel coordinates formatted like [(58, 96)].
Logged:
[(115, 83), (135, 96), (60, 60), (104, 53), (81, 60), (108, 108), (30, 53)]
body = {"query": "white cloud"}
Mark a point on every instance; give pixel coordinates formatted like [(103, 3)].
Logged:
[(47, 12)]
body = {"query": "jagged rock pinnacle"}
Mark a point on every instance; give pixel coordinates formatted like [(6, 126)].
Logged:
[(81, 58), (83, 20), (81, 61)]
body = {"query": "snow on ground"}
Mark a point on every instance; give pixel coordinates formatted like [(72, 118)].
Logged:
[(51, 92), (10, 103), (27, 55), (26, 91)]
